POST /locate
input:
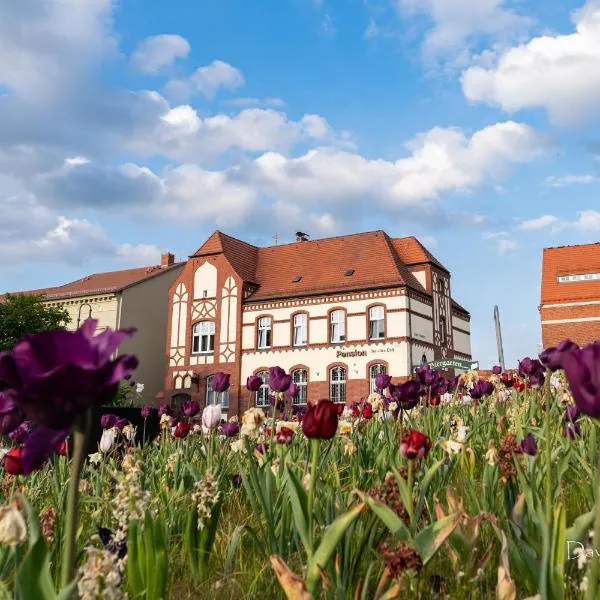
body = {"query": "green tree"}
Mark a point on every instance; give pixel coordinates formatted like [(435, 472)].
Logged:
[(21, 315)]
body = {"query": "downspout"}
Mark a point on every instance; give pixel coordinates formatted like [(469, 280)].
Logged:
[(409, 329), (118, 318)]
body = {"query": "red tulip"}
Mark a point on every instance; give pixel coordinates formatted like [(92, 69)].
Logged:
[(62, 449), (182, 429), (340, 408), (415, 445), (435, 400), (367, 411), (320, 420), (284, 436), (13, 462)]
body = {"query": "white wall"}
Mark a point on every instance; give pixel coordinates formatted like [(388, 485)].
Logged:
[(462, 342), (105, 308), (421, 329)]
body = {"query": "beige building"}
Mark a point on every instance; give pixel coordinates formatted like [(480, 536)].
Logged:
[(128, 298)]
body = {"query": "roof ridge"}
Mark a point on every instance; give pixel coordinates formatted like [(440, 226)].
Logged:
[(332, 237), (570, 246)]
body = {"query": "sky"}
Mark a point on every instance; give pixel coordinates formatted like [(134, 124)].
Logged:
[(134, 127)]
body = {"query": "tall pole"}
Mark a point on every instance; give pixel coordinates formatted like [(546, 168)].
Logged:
[(499, 337)]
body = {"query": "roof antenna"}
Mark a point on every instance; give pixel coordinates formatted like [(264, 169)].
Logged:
[(276, 238), (301, 237)]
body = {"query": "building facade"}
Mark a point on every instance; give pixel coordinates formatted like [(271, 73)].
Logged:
[(570, 294), (332, 312), (128, 298)]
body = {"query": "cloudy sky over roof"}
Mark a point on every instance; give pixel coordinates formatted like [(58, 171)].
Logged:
[(138, 126)]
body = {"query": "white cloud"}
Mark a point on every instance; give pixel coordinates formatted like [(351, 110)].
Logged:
[(538, 223), (456, 23), (207, 81), (257, 102), (566, 180), (76, 161), (506, 245), (159, 51), (560, 73), (138, 254), (588, 220)]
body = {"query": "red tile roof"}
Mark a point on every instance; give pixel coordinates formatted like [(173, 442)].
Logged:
[(377, 261), (100, 283), (570, 260)]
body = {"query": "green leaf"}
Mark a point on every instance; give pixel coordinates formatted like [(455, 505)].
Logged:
[(299, 501), (236, 539), (558, 551), (423, 487), (389, 518), (405, 493), (578, 532), (333, 534), (430, 539), (134, 575)]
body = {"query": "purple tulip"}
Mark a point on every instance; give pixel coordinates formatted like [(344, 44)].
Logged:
[(19, 435), (293, 391), (253, 383), (298, 411), (571, 413), (262, 448), (108, 421), (164, 409), (190, 408), (496, 369), (551, 357), (174, 421), (533, 370), (582, 368), (480, 389), (278, 380), (407, 394), (439, 387), (382, 381), (220, 382), (146, 410), (11, 416), (230, 429), (426, 375), (121, 423), (528, 445)]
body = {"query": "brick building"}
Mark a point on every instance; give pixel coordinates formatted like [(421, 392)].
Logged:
[(126, 298), (570, 297), (333, 312)]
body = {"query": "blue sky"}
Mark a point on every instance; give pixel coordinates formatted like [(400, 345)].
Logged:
[(139, 126)]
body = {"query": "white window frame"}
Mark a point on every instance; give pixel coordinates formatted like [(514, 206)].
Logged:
[(300, 378), (374, 370), (265, 333), (377, 322), (213, 397), (203, 337), (262, 394), (300, 338), (337, 326), (337, 384)]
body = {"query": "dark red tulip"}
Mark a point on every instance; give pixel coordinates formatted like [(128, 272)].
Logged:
[(13, 461), (582, 368), (340, 408), (367, 411), (220, 382), (496, 369), (182, 429), (435, 401), (253, 383), (320, 420), (279, 381), (62, 449), (415, 445)]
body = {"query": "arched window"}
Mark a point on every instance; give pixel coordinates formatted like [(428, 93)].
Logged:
[(373, 372), (300, 378), (262, 395), (203, 337), (337, 326), (337, 384), (376, 323), (179, 399), (300, 329), (213, 397), (264, 332)]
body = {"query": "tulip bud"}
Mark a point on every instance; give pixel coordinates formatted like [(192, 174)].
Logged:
[(320, 420), (13, 530), (211, 416), (220, 382), (253, 383), (107, 441)]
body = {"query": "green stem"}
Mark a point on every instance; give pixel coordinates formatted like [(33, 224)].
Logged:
[(80, 438), (548, 452), (409, 483), (314, 448), (595, 564)]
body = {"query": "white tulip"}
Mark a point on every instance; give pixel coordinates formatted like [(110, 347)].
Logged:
[(107, 441), (211, 416), (139, 388)]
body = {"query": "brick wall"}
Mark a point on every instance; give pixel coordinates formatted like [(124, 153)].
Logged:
[(581, 333)]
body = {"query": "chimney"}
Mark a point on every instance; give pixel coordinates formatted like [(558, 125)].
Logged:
[(301, 237), (167, 259)]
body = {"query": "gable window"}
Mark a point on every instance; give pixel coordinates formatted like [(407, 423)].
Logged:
[(262, 395), (337, 326), (300, 378), (300, 329), (376, 323), (337, 384), (203, 337), (373, 372), (213, 397), (264, 332)]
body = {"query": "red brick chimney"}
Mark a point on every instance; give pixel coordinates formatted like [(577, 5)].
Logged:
[(167, 259)]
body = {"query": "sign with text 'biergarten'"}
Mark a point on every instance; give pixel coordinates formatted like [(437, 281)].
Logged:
[(453, 363)]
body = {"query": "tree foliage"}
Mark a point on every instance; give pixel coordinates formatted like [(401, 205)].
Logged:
[(21, 315)]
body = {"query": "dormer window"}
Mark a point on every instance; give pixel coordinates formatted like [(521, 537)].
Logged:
[(297, 279), (349, 273)]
